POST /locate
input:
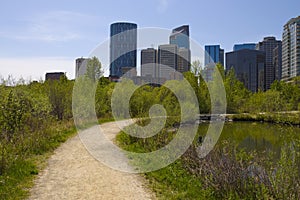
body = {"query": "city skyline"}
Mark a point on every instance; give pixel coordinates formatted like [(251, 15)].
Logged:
[(39, 37)]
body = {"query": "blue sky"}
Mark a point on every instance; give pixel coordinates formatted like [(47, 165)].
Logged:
[(38, 36)]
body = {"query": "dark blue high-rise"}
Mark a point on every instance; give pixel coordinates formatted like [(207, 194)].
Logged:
[(213, 54), (181, 37), (123, 45)]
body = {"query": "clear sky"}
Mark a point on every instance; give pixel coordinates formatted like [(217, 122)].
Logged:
[(39, 36)]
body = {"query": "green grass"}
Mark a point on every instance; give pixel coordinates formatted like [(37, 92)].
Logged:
[(174, 182), (17, 180), (281, 118), (170, 182), (104, 120), (192, 178)]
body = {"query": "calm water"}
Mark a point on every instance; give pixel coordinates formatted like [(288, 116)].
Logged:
[(262, 137)]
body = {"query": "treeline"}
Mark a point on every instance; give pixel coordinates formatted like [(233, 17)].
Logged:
[(282, 96)]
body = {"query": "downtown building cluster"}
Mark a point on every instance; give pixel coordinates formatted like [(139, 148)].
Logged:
[(256, 65), (167, 62), (157, 65)]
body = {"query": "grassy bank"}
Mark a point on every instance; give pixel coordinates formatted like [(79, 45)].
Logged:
[(171, 182), (20, 172), (225, 173), (290, 118)]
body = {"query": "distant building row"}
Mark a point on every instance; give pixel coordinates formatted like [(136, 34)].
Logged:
[(258, 65), (169, 58), (160, 63)]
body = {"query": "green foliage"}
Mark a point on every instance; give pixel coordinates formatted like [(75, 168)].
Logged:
[(285, 177), (103, 98), (93, 70), (142, 100), (229, 171), (196, 67), (281, 97), (60, 96), (236, 93), (83, 101), (174, 182), (217, 90), (18, 178), (29, 127)]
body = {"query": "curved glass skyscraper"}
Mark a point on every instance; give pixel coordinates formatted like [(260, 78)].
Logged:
[(181, 37), (123, 45)]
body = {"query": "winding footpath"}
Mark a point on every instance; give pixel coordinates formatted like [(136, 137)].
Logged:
[(72, 173)]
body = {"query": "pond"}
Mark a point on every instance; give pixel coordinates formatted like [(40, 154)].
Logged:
[(261, 137)]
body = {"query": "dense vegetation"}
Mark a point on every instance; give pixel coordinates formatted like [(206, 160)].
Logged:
[(36, 117), (227, 172), (281, 97)]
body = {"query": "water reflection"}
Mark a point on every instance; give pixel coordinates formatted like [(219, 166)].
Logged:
[(261, 137)]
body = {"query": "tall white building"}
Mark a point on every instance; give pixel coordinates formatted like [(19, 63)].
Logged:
[(291, 49), (80, 66)]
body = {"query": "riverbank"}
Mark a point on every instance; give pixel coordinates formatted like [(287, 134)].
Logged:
[(241, 166), (289, 118)]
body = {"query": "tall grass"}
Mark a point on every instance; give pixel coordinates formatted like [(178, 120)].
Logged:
[(227, 172), (28, 133)]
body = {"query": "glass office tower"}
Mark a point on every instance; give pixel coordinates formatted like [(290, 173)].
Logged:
[(123, 48)]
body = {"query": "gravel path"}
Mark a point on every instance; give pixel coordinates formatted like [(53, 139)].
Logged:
[(72, 173)]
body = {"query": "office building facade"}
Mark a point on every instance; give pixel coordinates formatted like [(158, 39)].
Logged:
[(180, 36), (237, 47), (277, 61), (183, 60), (54, 76), (213, 54), (291, 49), (268, 45), (248, 66), (167, 61), (123, 48), (149, 63), (80, 66)]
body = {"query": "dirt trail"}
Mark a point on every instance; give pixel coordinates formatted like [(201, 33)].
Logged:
[(72, 173)]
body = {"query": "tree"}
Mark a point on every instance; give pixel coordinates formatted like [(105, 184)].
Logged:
[(217, 90), (196, 67), (93, 70), (103, 97), (236, 93), (60, 94)]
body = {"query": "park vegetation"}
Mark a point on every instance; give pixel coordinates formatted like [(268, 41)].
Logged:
[(227, 172), (35, 117)]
